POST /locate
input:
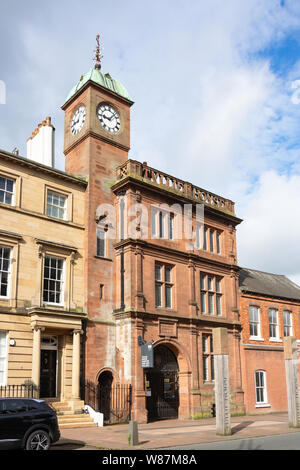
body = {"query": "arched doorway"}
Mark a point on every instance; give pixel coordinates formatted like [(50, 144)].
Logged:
[(162, 390), (104, 393)]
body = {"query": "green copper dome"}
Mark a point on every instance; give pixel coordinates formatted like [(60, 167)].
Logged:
[(104, 80)]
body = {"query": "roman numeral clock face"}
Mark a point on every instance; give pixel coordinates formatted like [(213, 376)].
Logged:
[(78, 120), (109, 118)]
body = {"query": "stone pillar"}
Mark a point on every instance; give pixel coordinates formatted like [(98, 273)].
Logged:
[(36, 355), (76, 365), (222, 390), (139, 296), (192, 300), (139, 412), (292, 386)]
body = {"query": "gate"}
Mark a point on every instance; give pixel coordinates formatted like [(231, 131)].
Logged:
[(114, 401), (162, 388)]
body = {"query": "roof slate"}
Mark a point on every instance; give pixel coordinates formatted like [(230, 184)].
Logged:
[(272, 285)]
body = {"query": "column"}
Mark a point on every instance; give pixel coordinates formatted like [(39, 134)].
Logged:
[(36, 355), (139, 411), (222, 390), (192, 299), (139, 296), (292, 388), (76, 365)]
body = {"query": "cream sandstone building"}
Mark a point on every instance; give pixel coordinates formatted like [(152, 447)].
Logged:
[(41, 274)]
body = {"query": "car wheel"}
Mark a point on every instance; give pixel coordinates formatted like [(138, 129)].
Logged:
[(38, 440)]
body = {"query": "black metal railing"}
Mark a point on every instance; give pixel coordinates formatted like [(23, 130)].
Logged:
[(114, 401), (19, 391)]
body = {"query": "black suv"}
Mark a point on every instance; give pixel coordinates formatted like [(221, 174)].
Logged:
[(27, 423)]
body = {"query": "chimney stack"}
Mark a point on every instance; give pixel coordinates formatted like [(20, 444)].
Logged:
[(40, 146)]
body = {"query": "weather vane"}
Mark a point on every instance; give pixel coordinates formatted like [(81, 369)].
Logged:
[(98, 56)]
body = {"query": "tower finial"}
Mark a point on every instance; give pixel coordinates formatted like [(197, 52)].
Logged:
[(98, 56)]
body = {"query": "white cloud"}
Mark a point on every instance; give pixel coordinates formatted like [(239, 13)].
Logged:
[(268, 238), (207, 107)]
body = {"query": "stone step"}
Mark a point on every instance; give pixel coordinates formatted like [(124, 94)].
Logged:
[(75, 421), (74, 417), (77, 425)]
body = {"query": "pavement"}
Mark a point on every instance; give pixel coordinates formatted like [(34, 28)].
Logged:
[(172, 433)]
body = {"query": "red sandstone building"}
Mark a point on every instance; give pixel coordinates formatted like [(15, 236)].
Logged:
[(140, 279), (269, 311), (160, 272)]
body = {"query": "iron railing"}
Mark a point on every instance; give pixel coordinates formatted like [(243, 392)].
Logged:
[(19, 391), (114, 401)]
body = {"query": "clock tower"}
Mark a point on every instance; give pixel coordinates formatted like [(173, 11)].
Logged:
[(97, 125), (96, 142)]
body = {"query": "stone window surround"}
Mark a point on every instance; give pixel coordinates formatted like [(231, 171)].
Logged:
[(12, 241), (16, 202), (56, 250), (69, 202)]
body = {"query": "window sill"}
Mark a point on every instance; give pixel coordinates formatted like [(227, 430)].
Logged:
[(262, 405), (102, 257), (53, 305), (275, 340), (167, 309), (256, 338)]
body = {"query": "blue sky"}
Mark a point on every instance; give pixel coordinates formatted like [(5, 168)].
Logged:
[(217, 100)]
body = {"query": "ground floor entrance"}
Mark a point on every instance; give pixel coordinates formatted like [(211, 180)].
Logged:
[(162, 386), (48, 374)]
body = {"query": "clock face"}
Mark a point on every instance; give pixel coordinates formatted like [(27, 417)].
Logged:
[(78, 120), (109, 118)]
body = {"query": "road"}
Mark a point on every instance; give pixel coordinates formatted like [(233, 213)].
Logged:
[(289, 441)]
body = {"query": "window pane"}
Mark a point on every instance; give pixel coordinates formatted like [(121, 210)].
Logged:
[(158, 272), (158, 296), (4, 270), (202, 281), (211, 239), (218, 242), (171, 220), (210, 304), (204, 343), (218, 303), (6, 190), (205, 239), (198, 228), (168, 294), (161, 225), (53, 280), (205, 368), (153, 221), (212, 369), (167, 274), (56, 205), (203, 302), (101, 242)]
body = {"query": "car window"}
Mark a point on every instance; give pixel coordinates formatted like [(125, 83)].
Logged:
[(12, 406), (37, 405)]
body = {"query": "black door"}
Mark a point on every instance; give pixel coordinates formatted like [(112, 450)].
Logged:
[(162, 386), (105, 395), (48, 374)]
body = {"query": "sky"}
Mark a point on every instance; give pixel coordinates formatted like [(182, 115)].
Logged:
[(216, 86)]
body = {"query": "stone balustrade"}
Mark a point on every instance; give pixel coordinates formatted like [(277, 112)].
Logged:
[(145, 173)]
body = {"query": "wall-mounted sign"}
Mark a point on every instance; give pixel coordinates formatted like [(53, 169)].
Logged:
[(147, 357)]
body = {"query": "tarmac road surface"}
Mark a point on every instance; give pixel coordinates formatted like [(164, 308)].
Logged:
[(289, 441)]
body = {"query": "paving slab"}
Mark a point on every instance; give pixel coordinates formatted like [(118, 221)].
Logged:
[(169, 433)]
